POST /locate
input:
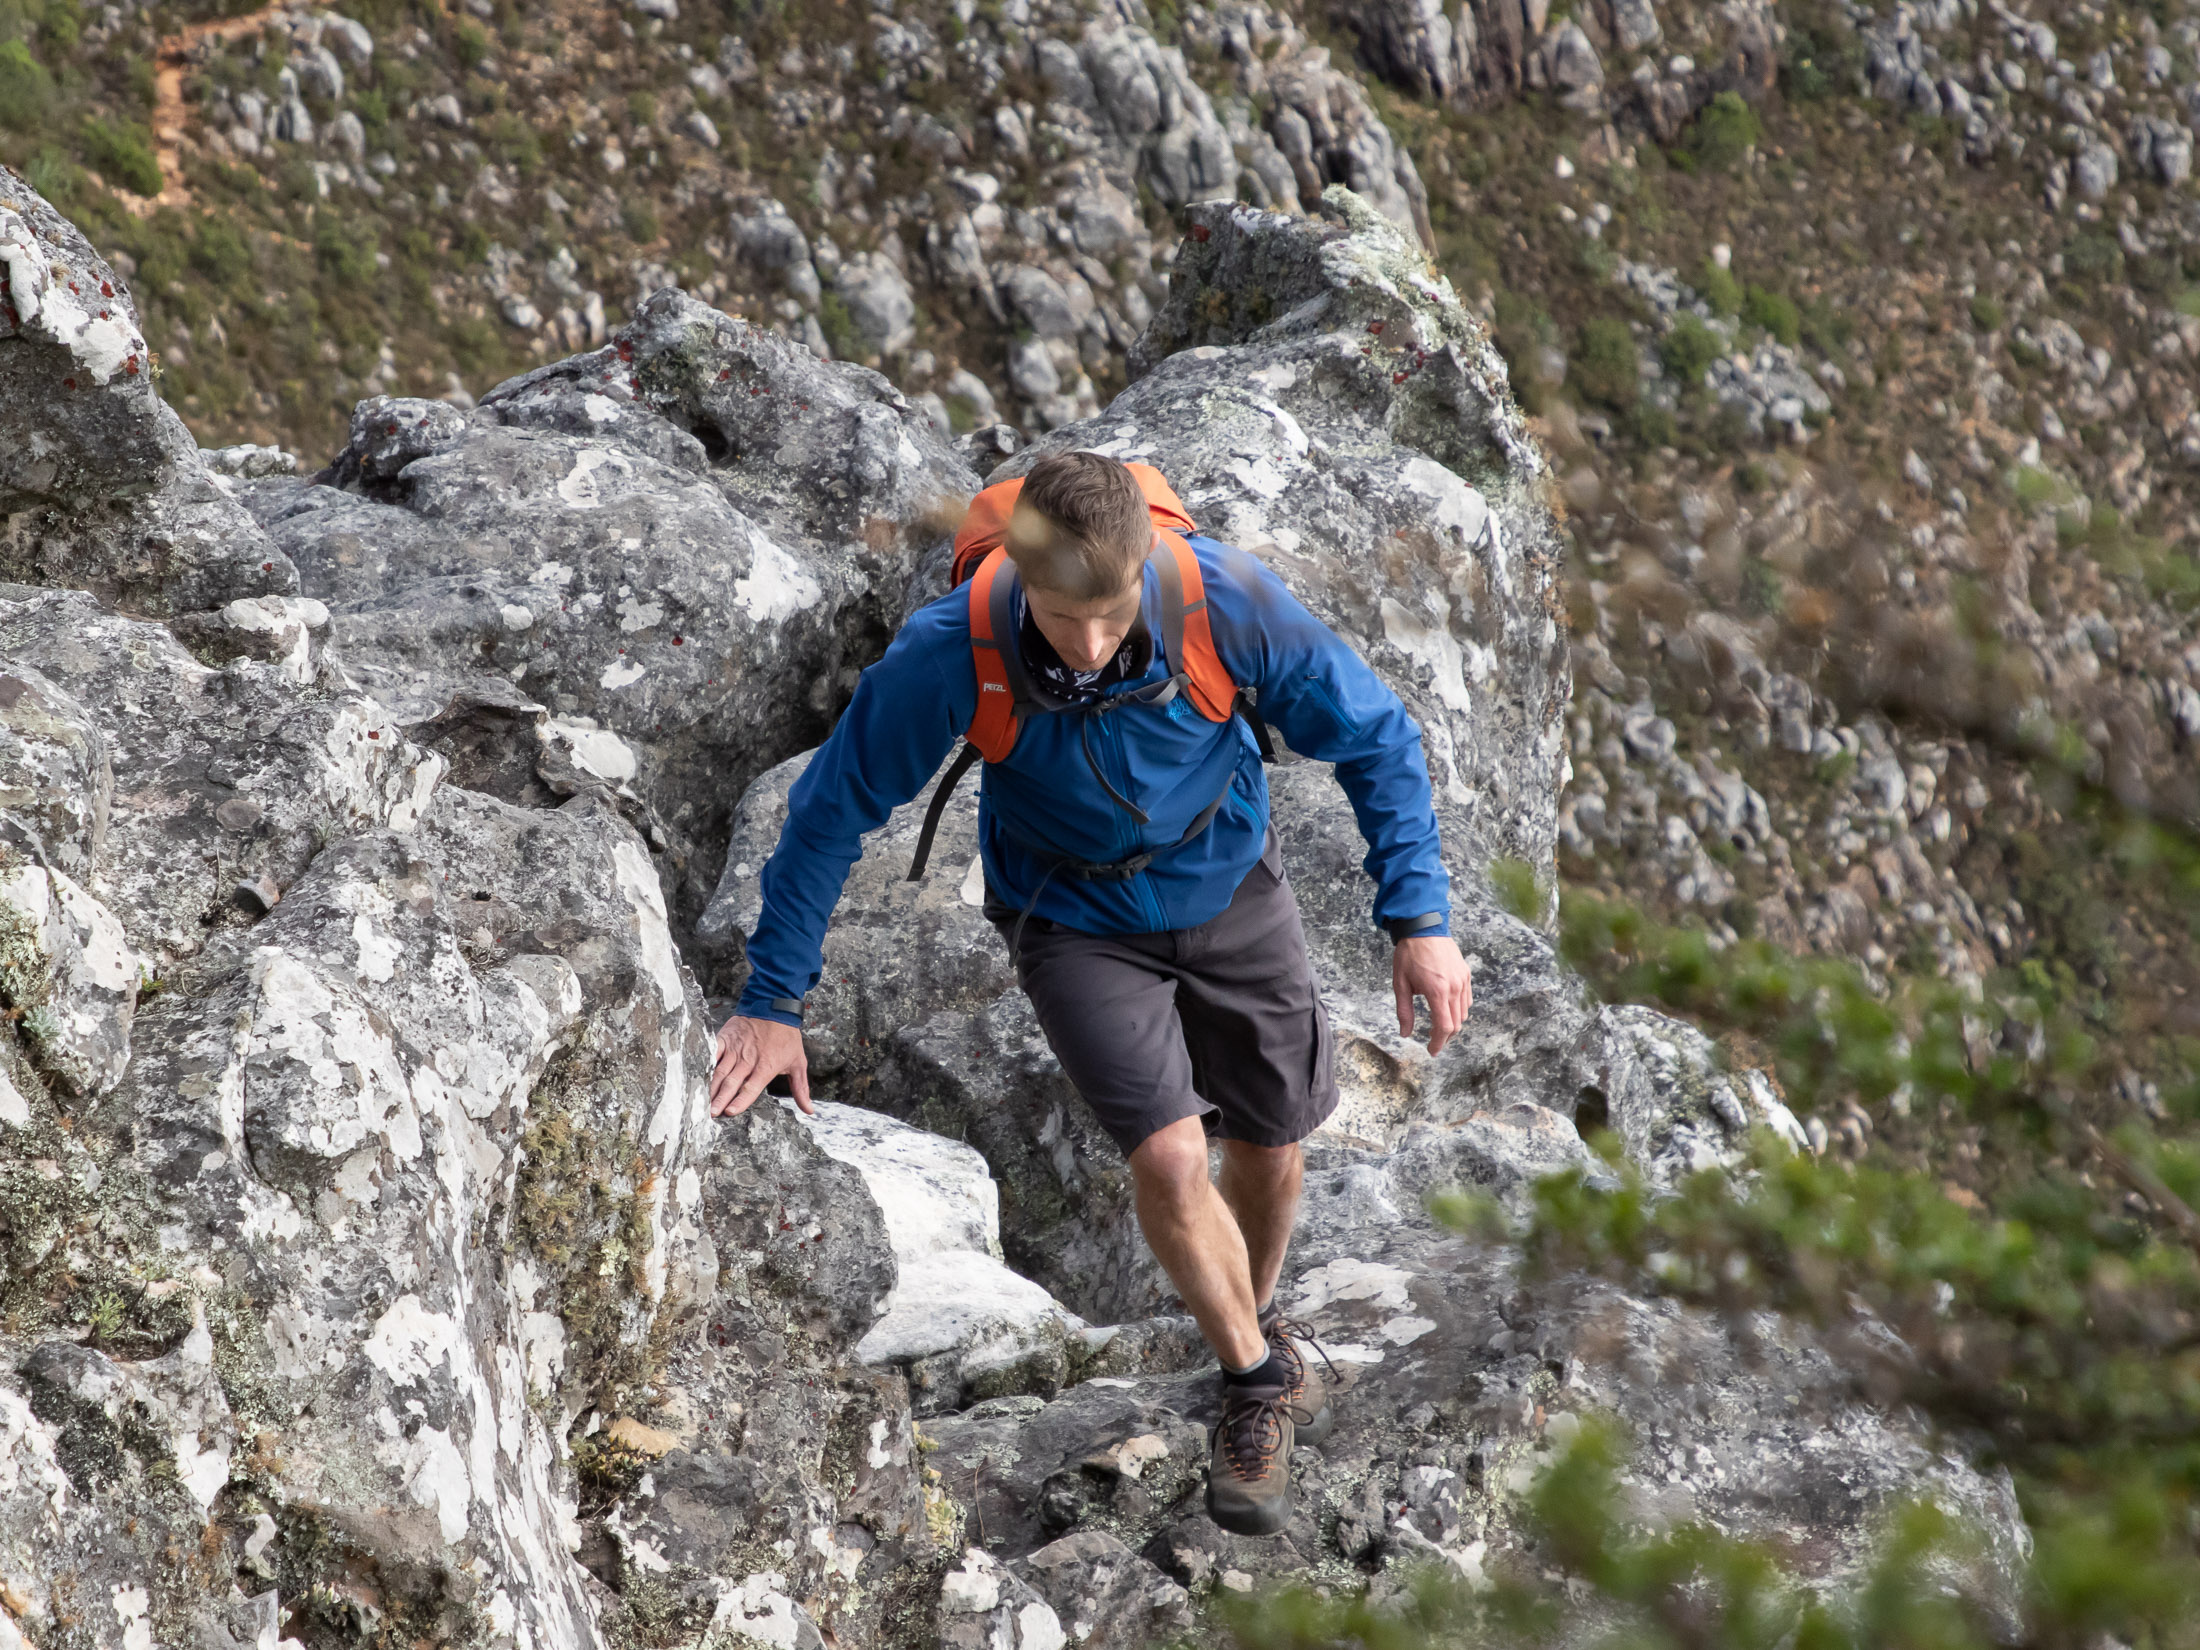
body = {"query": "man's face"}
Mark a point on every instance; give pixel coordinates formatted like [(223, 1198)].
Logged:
[(1085, 633)]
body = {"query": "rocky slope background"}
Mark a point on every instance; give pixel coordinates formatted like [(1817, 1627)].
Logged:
[(1857, 342), (373, 1267)]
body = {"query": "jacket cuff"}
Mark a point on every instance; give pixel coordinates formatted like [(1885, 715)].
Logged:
[(1434, 924), (787, 1011)]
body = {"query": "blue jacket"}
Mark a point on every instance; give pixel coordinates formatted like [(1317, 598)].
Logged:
[(912, 705)]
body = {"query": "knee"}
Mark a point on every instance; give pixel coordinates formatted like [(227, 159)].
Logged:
[(1280, 1167), (1171, 1163)]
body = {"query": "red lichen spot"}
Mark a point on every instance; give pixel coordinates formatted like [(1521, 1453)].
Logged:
[(106, 289), (73, 287), (626, 349), (678, 641), (1376, 327), (725, 374), (1397, 378), (267, 567), (130, 366), (756, 389), (1200, 232), (392, 430), (634, 384), (374, 733), (68, 383)]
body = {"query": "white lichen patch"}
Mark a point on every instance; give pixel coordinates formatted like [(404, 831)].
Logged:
[(580, 488), (1433, 647), (596, 748), (62, 308), (331, 1073), (130, 1605), (1457, 508), (621, 672), (409, 1341), (1346, 1280), (636, 614), (371, 773), (759, 1610), (28, 1464), (776, 587)]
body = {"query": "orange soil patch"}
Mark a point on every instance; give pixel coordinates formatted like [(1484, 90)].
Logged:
[(171, 57)]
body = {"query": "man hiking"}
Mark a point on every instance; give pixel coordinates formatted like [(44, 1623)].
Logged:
[(1117, 671)]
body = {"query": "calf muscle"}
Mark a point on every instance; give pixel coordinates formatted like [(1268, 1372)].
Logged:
[(1202, 1240)]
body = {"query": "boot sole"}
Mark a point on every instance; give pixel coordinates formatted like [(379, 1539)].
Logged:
[(1319, 1427), (1253, 1520)]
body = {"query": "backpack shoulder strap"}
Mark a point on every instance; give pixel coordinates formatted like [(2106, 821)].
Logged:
[(995, 657), (1186, 632)]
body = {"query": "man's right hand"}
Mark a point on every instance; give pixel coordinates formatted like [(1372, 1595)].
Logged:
[(750, 1054)]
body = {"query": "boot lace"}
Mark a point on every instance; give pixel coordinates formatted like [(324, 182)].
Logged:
[(1284, 1334), (1252, 1430)]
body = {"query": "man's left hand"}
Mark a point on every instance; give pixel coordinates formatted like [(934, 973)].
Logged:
[(1431, 967)]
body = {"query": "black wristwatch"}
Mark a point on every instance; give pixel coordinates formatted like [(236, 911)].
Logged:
[(1404, 928)]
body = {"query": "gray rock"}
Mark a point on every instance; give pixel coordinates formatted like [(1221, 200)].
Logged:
[(1415, 45), (348, 39), (101, 486), (676, 547), (1569, 65), (878, 301), (1039, 300), (2094, 171), (2160, 149), (1107, 1597), (1635, 24), (983, 1606)]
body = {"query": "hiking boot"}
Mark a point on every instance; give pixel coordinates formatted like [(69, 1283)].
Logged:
[(1308, 1390), (1249, 1475)]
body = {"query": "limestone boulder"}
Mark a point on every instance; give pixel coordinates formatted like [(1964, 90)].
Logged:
[(679, 547), (101, 486)]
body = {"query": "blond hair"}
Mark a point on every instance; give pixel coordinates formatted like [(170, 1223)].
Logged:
[(1080, 528)]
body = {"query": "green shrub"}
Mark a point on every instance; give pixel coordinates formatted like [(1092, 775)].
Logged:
[(1722, 134), (2093, 256), (1827, 328), (1774, 312), (346, 257), (122, 153), (638, 216), (1655, 426), (1519, 889), (642, 107), (1605, 367), (220, 252), (1820, 60), (53, 174), (1686, 353), (1719, 289), (26, 89), (60, 25), (471, 43), (842, 336), (372, 108)]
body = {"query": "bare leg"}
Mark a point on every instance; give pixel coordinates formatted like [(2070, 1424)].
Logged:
[(1261, 1186), (1193, 1234)]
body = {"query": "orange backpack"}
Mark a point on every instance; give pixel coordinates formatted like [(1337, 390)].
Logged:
[(1005, 691)]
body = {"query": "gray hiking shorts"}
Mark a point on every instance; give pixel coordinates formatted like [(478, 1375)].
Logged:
[(1219, 1022)]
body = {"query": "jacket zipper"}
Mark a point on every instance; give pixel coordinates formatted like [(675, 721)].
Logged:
[(1127, 828)]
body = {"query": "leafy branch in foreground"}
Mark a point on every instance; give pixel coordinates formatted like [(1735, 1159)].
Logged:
[(1688, 1587)]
